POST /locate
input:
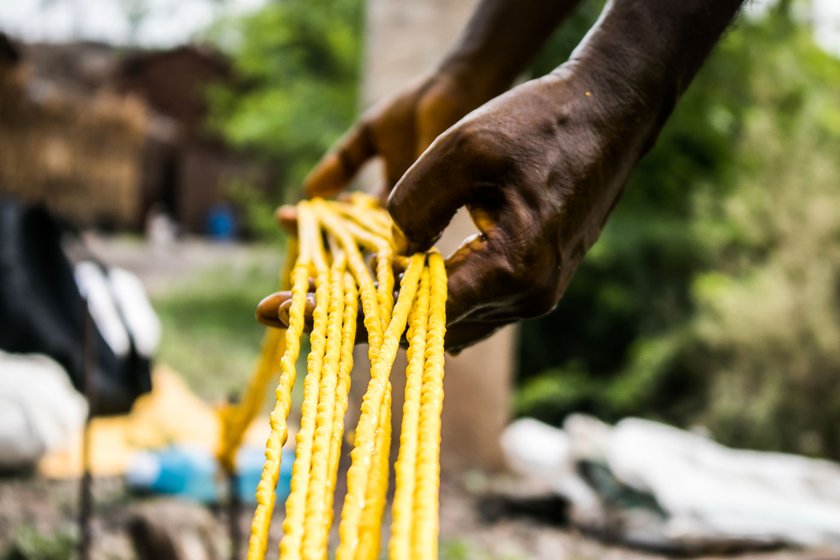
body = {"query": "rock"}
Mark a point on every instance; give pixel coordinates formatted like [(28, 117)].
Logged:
[(167, 529)]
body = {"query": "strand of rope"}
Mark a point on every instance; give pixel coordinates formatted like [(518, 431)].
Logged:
[(405, 468), (427, 486), (316, 528), (364, 447), (266, 495), (348, 336), (293, 525)]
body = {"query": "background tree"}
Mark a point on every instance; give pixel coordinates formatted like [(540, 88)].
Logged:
[(299, 60)]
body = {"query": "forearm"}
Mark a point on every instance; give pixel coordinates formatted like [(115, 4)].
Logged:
[(649, 50), (500, 40), (611, 99)]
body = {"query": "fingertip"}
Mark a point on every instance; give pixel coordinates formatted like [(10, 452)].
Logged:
[(287, 217), (335, 171), (426, 198), (400, 242), (326, 178), (409, 235)]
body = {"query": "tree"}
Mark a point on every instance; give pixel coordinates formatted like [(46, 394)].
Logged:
[(299, 62)]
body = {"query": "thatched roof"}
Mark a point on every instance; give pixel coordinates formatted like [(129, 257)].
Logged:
[(68, 144)]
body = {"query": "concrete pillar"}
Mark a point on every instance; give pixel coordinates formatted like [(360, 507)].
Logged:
[(404, 39)]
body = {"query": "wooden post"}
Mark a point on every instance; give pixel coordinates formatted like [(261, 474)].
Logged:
[(405, 39), (86, 485)]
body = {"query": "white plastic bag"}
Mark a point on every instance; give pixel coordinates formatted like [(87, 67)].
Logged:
[(39, 408)]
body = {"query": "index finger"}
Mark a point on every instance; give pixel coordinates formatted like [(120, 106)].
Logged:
[(336, 169)]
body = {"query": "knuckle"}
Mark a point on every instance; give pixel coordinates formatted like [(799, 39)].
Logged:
[(457, 140), (542, 298), (536, 279), (470, 137), (487, 153), (532, 298)]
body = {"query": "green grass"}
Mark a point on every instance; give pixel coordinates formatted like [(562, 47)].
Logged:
[(210, 335), (30, 544), (457, 549)]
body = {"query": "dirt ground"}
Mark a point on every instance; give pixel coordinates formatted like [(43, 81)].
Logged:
[(160, 267), (474, 525), (479, 520)]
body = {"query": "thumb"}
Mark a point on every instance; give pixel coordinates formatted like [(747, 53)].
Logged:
[(426, 198), (335, 171)]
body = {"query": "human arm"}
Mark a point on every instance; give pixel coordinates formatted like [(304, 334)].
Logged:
[(496, 45), (541, 167)]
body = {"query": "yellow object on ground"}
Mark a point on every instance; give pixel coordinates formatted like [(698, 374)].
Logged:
[(350, 231), (169, 414)]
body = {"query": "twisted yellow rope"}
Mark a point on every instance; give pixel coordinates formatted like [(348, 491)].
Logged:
[(279, 430), (342, 278), (315, 528), (405, 468), (348, 336), (427, 485)]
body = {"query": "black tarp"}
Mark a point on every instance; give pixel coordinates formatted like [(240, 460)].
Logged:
[(41, 310)]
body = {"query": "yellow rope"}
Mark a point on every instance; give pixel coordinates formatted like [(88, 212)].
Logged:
[(351, 231), (279, 430), (369, 217), (367, 288), (315, 528), (427, 486), (377, 486), (405, 468), (348, 336), (296, 502), (364, 445), (235, 419)]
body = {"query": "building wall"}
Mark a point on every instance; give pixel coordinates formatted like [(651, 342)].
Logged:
[(174, 83)]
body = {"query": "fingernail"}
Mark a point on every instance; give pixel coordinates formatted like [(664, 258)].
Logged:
[(267, 309), (401, 244), (283, 312)]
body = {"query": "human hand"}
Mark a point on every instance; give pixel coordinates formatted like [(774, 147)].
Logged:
[(539, 169), (398, 130)]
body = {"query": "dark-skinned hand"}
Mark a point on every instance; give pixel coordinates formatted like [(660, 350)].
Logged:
[(540, 167), (396, 130)]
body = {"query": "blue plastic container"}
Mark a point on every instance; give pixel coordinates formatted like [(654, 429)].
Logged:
[(193, 473)]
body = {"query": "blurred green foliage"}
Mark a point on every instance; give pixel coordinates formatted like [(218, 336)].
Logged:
[(298, 61), (30, 544), (210, 334), (712, 296)]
